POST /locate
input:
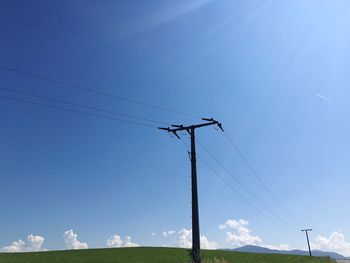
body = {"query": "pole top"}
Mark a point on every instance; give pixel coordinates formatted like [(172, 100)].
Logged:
[(175, 128), (305, 230)]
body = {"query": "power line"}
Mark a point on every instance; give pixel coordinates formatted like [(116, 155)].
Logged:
[(75, 111), (239, 194), (254, 196), (260, 180), (139, 124), (80, 105), (67, 84), (235, 190)]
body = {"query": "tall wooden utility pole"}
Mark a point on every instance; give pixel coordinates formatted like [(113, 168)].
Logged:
[(307, 238), (195, 214)]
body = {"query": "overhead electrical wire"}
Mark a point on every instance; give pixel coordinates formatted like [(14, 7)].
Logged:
[(81, 105), (254, 196), (222, 178), (94, 91), (67, 84), (149, 126), (76, 111), (251, 168)]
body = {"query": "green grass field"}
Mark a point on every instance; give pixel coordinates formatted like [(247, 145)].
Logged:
[(149, 255)]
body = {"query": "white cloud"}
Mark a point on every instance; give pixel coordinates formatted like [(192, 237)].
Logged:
[(185, 240), (240, 235), (153, 234), (72, 242), (233, 223), (117, 241), (16, 246), (242, 239), (335, 242), (33, 243), (206, 244), (168, 233)]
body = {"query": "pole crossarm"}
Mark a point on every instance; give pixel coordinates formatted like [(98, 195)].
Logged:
[(177, 128)]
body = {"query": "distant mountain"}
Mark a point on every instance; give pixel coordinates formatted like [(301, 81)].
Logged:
[(263, 250)]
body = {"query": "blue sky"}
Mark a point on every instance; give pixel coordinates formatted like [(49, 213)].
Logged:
[(275, 73)]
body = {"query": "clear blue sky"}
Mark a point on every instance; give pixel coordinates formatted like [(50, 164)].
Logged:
[(275, 73)]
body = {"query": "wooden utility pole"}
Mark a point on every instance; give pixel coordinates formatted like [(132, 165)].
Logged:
[(307, 238), (195, 214)]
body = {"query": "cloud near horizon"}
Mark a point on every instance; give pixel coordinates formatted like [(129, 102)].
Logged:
[(240, 235), (184, 240), (335, 243), (168, 233), (72, 242), (33, 243), (237, 234), (117, 241)]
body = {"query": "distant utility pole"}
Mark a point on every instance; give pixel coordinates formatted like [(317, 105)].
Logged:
[(195, 215), (307, 238)]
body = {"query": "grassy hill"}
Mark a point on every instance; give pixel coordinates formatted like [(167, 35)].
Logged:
[(150, 255)]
